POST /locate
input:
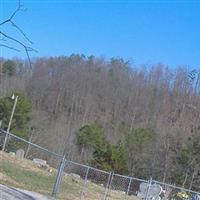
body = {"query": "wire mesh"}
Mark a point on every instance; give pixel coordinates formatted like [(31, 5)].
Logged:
[(73, 181), (135, 189), (97, 184), (118, 187), (173, 192), (35, 171)]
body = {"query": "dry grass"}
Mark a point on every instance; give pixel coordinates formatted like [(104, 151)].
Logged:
[(25, 174)]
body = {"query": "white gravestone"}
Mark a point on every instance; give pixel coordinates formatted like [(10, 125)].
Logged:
[(154, 191), (12, 154), (20, 154)]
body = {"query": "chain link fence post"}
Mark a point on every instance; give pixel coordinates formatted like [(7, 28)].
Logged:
[(110, 184), (59, 177), (107, 186), (148, 188), (128, 189), (84, 184)]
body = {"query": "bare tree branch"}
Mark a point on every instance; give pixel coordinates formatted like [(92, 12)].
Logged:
[(21, 31), (8, 47), (27, 49), (3, 39), (19, 8)]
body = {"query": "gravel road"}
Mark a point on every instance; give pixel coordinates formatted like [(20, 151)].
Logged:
[(7, 193)]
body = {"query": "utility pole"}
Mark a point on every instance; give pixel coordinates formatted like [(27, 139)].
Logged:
[(10, 121)]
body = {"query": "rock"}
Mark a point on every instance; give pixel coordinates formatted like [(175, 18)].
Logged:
[(50, 170), (12, 154), (41, 163), (20, 154), (75, 177)]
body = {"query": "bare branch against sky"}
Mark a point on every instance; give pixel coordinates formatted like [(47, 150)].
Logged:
[(7, 37)]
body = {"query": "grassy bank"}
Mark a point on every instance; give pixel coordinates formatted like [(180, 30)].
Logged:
[(25, 174)]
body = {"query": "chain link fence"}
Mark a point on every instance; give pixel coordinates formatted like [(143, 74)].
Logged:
[(68, 180), (23, 165)]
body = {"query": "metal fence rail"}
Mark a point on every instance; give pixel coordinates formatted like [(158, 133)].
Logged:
[(77, 181)]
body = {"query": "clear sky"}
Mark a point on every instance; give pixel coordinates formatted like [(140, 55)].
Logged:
[(141, 31)]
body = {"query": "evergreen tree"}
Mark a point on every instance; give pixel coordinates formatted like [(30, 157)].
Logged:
[(104, 155), (9, 68)]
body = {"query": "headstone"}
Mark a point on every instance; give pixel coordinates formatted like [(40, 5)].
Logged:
[(20, 154), (195, 197), (12, 154), (154, 191), (50, 170), (41, 163)]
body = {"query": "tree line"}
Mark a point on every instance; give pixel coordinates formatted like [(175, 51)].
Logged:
[(141, 121)]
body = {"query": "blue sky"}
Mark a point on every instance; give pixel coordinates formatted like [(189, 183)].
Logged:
[(141, 31)]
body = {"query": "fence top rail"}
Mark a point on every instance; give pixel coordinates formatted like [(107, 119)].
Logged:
[(130, 177), (176, 187), (86, 166), (35, 145)]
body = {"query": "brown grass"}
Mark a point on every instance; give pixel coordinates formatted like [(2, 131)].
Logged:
[(25, 174)]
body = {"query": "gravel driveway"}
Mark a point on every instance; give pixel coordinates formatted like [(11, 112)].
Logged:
[(7, 193)]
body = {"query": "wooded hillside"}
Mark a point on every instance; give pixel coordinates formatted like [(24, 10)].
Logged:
[(140, 121)]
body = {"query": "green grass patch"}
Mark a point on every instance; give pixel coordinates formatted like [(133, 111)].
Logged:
[(28, 179), (26, 175)]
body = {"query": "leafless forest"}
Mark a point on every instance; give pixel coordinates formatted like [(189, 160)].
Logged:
[(70, 92)]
